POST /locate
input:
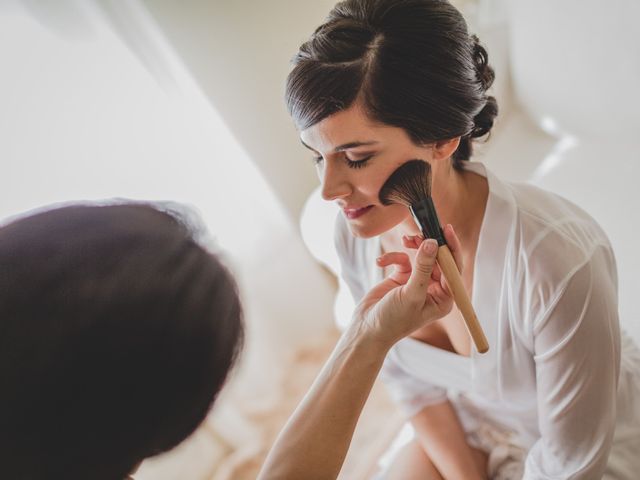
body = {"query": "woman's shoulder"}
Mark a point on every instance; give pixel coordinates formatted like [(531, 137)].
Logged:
[(557, 253), (540, 223), (554, 240), (551, 228)]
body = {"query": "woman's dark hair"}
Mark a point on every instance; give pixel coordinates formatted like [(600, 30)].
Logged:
[(117, 330), (411, 63)]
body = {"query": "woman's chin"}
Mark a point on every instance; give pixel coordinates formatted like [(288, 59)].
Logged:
[(369, 229)]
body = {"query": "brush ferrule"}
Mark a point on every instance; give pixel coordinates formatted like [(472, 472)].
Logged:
[(425, 216)]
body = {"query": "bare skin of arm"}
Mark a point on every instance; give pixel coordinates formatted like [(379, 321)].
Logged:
[(315, 441)]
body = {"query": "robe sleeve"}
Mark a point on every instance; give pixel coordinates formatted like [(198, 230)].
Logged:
[(577, 359)]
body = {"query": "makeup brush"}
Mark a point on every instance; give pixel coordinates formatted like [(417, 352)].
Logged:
[(410, 185)]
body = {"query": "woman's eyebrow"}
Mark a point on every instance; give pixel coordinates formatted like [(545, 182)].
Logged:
[(345, 146)]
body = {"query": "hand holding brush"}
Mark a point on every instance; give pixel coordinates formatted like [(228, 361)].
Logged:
[(410, 185)]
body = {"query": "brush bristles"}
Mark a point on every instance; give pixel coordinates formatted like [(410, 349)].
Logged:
[(408, 185)]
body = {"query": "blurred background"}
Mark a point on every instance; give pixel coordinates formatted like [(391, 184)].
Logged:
[(183, 101)]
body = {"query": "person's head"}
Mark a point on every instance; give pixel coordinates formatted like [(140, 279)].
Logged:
[(402, 75), (117, 330)]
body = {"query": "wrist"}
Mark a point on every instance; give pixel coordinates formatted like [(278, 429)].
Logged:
[(362, 339)]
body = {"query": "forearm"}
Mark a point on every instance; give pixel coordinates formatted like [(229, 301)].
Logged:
[(316, 439), (441, 435)]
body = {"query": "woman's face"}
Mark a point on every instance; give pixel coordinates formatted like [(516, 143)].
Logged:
[(354, 157)]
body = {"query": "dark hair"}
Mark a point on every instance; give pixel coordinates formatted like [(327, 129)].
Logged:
[(117, 330), (411, 63)]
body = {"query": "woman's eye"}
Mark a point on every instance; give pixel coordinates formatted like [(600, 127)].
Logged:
[(318, 160), (357, 163)]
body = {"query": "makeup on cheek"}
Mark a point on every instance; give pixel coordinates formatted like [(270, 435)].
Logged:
[(410, 185)]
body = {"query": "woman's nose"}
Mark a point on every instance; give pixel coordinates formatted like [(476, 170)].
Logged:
[(334, 184)]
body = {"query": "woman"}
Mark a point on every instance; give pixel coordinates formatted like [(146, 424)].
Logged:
[(385, 81)]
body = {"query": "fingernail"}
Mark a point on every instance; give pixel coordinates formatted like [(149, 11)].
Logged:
[(430, 246)]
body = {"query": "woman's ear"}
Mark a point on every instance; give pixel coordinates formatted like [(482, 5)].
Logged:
[(443, 149)]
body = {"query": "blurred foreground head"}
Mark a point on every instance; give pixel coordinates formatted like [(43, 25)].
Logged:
[(117, 330)]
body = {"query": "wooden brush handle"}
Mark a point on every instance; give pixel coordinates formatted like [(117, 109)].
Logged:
[(451, 273)]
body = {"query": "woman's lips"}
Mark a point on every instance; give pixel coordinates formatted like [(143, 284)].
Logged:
[(353, 213)]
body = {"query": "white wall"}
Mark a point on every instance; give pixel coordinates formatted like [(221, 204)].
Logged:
[(239, 51), (95, 108)]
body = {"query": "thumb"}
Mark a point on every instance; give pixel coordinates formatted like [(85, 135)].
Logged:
[(421, 275)]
